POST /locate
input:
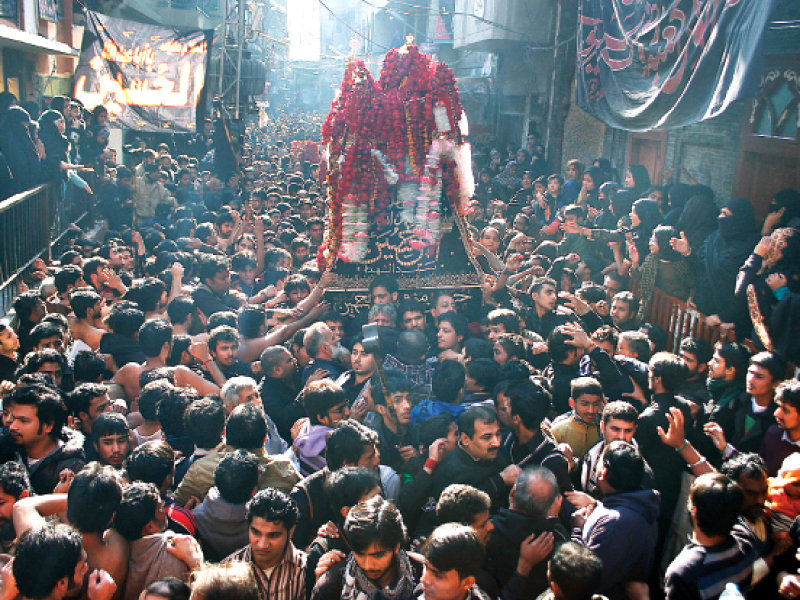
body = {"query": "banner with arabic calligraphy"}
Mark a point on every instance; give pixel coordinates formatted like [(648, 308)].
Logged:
[(647, 64), (150, 78)]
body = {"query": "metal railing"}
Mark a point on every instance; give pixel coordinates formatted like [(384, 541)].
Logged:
[(679, 320), (32, 224)]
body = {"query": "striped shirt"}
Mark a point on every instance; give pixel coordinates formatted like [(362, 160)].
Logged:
[(701, 572), (287, 581)]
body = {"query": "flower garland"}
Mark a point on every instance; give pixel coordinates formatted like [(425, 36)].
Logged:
[(389, 141)]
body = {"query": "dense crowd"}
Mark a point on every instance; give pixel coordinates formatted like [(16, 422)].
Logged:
[(185, 415)]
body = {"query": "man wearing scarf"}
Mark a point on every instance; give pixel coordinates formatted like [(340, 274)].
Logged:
[(727, 371), (377, 568), (279, 568)]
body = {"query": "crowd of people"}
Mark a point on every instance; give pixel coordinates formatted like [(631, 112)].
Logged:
[(185, 415)]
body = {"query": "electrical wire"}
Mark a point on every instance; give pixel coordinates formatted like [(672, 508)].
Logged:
[(358, 33)]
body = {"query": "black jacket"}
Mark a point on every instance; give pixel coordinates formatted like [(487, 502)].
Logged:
[(279, 400), (667, 464), (314, 507), (540, 451), (732, 418), (460, 467), (502, 552), (329, 586), (68, 455)]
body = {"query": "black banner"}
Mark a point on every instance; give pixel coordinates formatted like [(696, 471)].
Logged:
[(647, 64), (150, 78)]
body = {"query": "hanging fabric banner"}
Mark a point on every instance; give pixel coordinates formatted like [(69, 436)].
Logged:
[(647, 64), (150, 78)]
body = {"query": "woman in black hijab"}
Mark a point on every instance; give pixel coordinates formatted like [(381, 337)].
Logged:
[(637, 179), (19, 150), (784, 211), (717, 264), (698, 220), (55, 164)]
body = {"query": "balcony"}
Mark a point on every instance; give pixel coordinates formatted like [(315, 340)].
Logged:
[(188, 14), (496, 25)]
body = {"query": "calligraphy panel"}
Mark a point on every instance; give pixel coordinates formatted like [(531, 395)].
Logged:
[(150, 78), (648, 64)]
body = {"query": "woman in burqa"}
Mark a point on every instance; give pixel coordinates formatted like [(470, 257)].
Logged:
[(784, 211), (19, 150), (698, 220), (677, 198), (717, 264), (770, 279)]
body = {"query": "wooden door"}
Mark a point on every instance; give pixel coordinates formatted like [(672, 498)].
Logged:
[(769, 147), (647, 149)]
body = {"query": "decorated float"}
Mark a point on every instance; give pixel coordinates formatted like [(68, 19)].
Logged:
[(399, 177)]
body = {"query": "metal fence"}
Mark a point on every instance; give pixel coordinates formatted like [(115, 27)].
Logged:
[(32, 224)]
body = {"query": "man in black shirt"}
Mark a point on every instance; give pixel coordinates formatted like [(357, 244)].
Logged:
[(223, 344), (9, 344), (278, 389)]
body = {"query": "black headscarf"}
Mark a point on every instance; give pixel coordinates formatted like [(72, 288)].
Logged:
[(55, 144), (698, 220), (678, 196), (650, 217), (789, 200), (722, 254), (741, 221), (18, 148), (641, 180)]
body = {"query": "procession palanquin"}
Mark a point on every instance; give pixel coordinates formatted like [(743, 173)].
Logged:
[(399, 177)]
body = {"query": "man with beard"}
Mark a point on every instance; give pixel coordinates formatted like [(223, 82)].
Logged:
[(60, 549), (749, 471), (696, 353), (727, 370), (279, 567), (354, 381), (397, 439), (87, 402), (377, 566), (44, 445)]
